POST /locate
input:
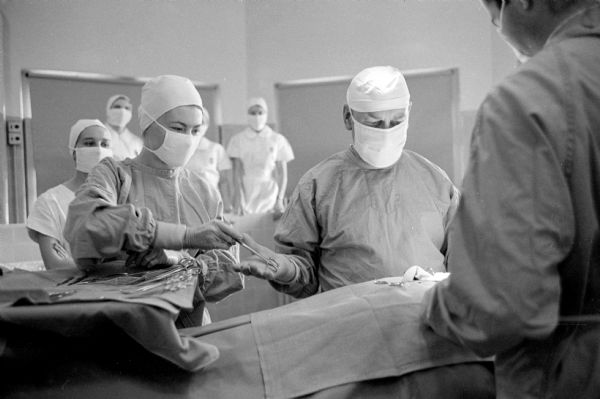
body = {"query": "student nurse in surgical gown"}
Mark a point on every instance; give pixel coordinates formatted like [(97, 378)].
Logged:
[(89, 142), (149, 209), (118, 114), (260, 156), (368, 212), (211, 160)]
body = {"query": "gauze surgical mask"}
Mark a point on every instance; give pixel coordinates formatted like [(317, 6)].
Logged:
[(87, 157), (257, 122), (176, 148), (118, 117), (380, 147)]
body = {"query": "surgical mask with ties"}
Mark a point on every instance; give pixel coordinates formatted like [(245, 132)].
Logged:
[(257, 122), (118, 117), (380, 147), (87, 157), (176, 148)]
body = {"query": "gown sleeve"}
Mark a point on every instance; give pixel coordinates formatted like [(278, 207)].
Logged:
[(297, 236), (44, 219), (284, 150), (100, 224)]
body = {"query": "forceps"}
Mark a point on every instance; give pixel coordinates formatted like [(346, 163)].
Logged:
[(60, 294), (269, 261)]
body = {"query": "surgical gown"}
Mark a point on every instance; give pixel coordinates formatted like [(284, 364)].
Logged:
[(116, 209), (125, 144), (49, 214), (525, 243), (349, 222), (210, 158), (259, 153)]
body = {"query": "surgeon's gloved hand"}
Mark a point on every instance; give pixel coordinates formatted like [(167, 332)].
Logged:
[(268, 265), (416, 273), (212, 235), (153, 258)]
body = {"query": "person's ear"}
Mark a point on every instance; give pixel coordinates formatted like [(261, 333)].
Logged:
[(348, 122)]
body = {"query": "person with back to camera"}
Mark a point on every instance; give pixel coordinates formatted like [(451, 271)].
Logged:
[(525, 242)]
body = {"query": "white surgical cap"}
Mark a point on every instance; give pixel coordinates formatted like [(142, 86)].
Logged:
[(257, 101), (79, 127), (164, 93), (114, 98), (378, 88)]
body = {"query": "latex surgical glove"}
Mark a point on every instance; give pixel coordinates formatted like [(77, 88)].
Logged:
[(268, 265), (212, 235), (416, 273), (153, 258)]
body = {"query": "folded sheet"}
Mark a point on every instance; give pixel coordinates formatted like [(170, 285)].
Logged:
[(349, 334)]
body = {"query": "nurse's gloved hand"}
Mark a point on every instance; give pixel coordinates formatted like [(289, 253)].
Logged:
[(153, 258), (268, 265), (212, 235)]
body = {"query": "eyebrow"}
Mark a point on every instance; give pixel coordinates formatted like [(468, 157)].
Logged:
[(184, 124), (399, 113)]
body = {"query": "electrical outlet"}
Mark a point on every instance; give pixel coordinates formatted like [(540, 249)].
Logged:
[(14, 128), (15, 138)]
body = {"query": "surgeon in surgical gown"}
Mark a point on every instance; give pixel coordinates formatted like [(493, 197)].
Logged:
[(149, 209), (368, 212)]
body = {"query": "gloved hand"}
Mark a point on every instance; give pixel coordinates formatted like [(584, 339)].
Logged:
[(212, 235), (275, 267), (416, 273), (153, 258)]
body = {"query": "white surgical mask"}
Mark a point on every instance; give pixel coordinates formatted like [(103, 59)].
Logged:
[(87, 157), (176, 148), (380, 147), (118, 117), (257, 122)]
